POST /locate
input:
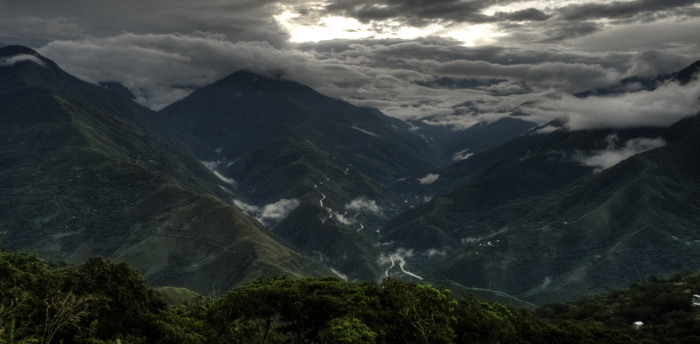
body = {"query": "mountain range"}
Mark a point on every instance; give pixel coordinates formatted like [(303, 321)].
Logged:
[(254, 175)]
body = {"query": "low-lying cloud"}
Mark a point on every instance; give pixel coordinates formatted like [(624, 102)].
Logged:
[(429, 179), (363, 205), (10, 61), (270, 214), (659, 108), (616, 151), (214, 167)]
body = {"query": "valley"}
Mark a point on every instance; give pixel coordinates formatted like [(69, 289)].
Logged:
[(256, 176)]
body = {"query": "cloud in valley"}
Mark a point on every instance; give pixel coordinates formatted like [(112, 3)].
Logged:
[(659, 108), (616, 151), (270, 214), (428, 179), (214, 167), (363, 205)]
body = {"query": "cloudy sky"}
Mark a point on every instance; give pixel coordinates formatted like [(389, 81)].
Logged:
[(443, 62)]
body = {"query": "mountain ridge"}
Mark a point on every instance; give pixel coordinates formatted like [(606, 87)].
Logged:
[(78, 181)]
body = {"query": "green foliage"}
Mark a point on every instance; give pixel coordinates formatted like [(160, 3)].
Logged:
[(417, 313), (347, 331), (101, 302), (664, 306)]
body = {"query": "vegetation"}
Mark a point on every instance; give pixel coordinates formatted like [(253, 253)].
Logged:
[(105, 302), (665, 307)]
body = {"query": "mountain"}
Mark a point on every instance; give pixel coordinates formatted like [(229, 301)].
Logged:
[(283, 142), (44, 73), (245, 111), (118, 88), (689, 73), (81, 175), (453, 145), (257, 176), (538, 226)]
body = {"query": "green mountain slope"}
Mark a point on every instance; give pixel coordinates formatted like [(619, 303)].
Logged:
[(45, 74), (534, 227), (77, 181), (245, 111), (281, 141)]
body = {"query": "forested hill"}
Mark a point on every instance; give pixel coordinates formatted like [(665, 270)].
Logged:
[(105, 302)]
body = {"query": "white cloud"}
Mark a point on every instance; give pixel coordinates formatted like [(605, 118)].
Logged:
[(428, 179), (270, 214), (11, 60), (214, 166), (362, 204), (342, 219), (340, 274), (462, 155), (616, 152), (659, 108), (650, 63)]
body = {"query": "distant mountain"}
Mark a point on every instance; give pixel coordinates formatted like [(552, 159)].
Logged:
[(80, 177), (453, 145)]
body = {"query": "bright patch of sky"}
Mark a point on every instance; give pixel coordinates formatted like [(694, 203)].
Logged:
[(303, 29), (333, 27)]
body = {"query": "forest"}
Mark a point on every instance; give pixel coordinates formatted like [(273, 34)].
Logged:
[(101, 301)]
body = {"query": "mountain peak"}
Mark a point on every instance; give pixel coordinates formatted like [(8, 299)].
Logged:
[(14, 54), (12, 50), (253, 80), (688, 73)]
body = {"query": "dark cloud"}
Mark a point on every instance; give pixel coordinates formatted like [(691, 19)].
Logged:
[(46, 20), (163, 50), (572, 77), (621, 9), (567, 30), (420, 13), (530, 14)]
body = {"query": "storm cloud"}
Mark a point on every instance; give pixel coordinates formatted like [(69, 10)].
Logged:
[(414, 60)]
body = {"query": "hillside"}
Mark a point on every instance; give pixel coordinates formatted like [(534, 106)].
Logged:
[(524, 230), (284, 143), (79, 181)]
